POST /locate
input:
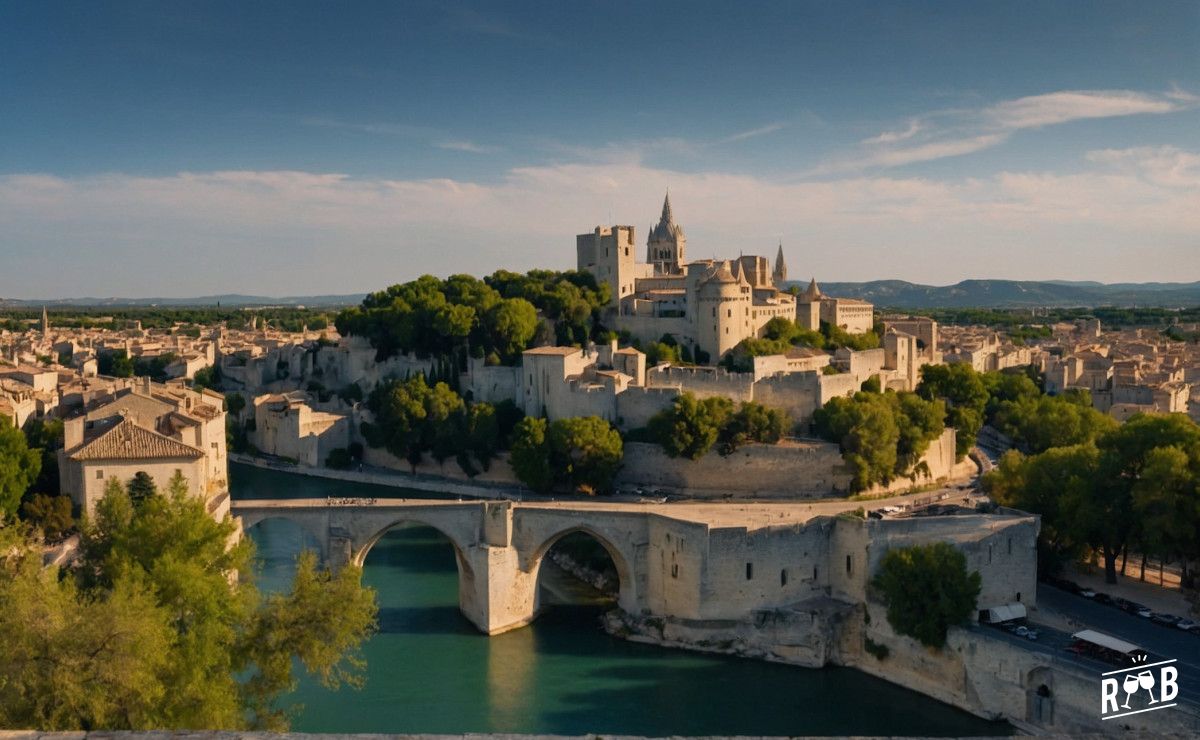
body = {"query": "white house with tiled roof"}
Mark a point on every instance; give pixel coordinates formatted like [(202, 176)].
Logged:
[(157, 429)]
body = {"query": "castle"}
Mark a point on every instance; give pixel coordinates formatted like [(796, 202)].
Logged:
[(707, 305)]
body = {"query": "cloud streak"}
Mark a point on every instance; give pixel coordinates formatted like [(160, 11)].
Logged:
[(955, 132)]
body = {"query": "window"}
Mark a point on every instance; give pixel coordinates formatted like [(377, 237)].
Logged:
[(814, 572), (99, 475), (989, 554), (749, 571), (849, 564), (1010, 545), (674, 570), (783, 577), (178, 472)]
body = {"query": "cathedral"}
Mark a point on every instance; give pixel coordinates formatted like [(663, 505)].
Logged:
[(708, 305)]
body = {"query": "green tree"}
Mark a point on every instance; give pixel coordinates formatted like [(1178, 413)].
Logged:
[(141, 487), (585, 453), (753, 422), (51, 514), (219, 655), (19, 466), (927, 590), (530, 456), (865, 428), (1037, 423), (1166, 504), (483, 433), (965, 396), (46, 436), (235, 402), (1104, 513), (1052, 485), (691, 426), (511, 324)]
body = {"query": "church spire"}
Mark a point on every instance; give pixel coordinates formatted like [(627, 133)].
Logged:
[(780, 274), (666, 214)]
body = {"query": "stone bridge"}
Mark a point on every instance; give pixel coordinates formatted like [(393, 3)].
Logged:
[(499, 545)]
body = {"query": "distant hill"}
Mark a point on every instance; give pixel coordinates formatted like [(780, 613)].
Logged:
[(889, 293), (1016, 294), (232, 300)]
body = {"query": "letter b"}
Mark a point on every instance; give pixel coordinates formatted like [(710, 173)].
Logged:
[(1169, 683), (1108, 693)]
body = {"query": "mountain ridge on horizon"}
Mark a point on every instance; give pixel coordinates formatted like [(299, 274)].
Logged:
[(973, 292)]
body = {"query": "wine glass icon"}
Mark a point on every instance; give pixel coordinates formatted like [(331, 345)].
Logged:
[(1130, 686), (1146, 681)]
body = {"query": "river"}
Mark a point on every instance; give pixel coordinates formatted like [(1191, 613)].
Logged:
[(430, 671)]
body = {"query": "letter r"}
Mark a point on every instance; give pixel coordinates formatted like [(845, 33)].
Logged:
[(1108, 693)]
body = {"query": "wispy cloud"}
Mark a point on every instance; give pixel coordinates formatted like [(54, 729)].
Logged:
[(770, 128), (955, 132), (431, 136), (1035, 111), (462, 145)]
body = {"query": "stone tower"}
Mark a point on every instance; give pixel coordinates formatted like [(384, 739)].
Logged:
[(780, 274), (45, 322), (723, 310), (666, 243), (608, 253)]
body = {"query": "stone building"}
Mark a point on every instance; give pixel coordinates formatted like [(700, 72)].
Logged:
[(157, 429), (285, 425), (708, 305)]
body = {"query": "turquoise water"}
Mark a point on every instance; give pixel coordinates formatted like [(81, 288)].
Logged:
[(430, 671)]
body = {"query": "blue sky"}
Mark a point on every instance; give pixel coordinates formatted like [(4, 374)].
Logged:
[(298, 148)]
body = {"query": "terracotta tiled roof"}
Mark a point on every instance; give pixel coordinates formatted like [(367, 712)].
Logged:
[(128, 441)]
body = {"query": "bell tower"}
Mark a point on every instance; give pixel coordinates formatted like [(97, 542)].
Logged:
[(666, 243)]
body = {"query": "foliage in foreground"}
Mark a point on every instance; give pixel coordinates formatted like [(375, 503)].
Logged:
[(161, 627), (927, 590)]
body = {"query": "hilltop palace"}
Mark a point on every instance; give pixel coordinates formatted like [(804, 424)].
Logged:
[(707, 304)]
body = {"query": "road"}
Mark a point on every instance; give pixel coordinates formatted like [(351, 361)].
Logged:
[(1163, 642)]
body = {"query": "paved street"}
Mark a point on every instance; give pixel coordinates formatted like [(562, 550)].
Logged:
[(1159, 641)]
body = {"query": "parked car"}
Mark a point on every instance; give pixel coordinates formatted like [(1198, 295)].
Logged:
[(1031, 635), (1122, 604), (1087, 593), (1144, 613), (1187, 625), (1134, 608), (1102, 598), (1166, 620), (1022, 631)]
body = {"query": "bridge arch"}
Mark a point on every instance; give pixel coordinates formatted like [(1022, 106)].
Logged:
[(359, 555), (315, 532), (626, 582)]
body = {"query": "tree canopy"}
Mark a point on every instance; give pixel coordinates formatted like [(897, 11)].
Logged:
[(1137, 483), (581, 454), (927, 590), (161, 626), (19, 466), (965, 395), (882, 435), (497, 317)]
